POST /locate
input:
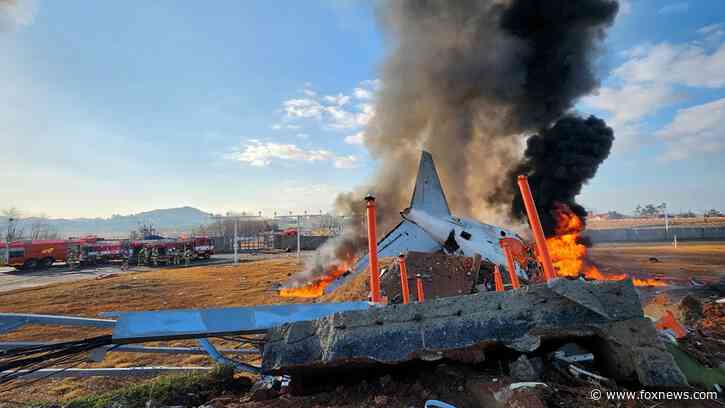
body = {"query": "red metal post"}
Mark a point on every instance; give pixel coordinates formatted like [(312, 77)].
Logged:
[(497, 280), (538, 232), (419, 287), (510, 265), (404, 279), (373, 250)]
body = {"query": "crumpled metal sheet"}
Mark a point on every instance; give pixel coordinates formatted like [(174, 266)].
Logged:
[(194, 323)]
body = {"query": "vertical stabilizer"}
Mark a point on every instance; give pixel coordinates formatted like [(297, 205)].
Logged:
[(428, 194)]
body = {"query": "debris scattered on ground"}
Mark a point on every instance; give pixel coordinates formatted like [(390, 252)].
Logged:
[(470, 328)]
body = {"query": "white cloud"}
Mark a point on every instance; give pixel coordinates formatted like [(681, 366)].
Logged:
[(346, 162), (334, 111), (713, 33), (710, 29), (632, 101), (280, 126), (339, 99), (303, 108), (686, 64), (674, 8), (303, 136), (361, 93), (356, 139), (261, 154), (15, 13), (698, 129), (654, 77)]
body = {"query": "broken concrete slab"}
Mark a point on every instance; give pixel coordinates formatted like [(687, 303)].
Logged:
[(464, 328)]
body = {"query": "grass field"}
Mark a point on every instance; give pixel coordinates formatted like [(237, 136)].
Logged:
[(250, 283)]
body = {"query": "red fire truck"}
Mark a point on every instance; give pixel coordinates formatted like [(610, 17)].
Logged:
[(94, 251), (37, 254), (91, 250), (203, 247)]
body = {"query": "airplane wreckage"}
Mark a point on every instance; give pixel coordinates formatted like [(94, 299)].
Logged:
[(461, 313)]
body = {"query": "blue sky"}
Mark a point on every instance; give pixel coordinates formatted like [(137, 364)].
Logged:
[(121, 107)]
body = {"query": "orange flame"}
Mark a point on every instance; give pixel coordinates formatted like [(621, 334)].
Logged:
[(569, 255), (316, 288)]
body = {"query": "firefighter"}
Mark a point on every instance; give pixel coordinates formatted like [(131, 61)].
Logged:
[(126, 259), (187, 256), (155, 256), (141, 256), (72, 258)]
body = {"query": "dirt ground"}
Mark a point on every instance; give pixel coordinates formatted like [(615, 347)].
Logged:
[(700, 260), (250, 283)]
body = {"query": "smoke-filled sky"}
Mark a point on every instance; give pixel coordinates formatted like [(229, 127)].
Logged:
[(124, 107)]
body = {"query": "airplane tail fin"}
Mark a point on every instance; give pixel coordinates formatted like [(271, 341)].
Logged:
[(428, 194)]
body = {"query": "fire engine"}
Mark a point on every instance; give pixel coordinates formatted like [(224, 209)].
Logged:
[(36, 254)]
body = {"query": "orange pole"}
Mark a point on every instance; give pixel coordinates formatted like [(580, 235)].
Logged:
[(535, 223), (419, 287), (373, 250), (668, 321), (510, 266), (497, 279), (404, 280)]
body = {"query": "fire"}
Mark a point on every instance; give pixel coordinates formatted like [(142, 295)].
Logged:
[(569, 255), (316, 288)]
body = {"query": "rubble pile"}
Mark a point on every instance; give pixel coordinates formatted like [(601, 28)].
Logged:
[(442, 275), (605, 317)]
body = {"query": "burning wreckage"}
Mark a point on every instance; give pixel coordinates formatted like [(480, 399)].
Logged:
[(591, 329)]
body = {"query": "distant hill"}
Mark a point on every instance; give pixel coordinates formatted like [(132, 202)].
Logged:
[(169, 221)]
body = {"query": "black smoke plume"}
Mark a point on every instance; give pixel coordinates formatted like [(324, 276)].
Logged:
[(558, 162), (464, 80)]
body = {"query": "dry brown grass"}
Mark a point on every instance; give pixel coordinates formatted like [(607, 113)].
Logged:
[(250, 284), (197, 287)]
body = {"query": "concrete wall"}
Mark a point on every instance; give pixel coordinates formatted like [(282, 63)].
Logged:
[(306, 243), (655, 234), (225, 246)]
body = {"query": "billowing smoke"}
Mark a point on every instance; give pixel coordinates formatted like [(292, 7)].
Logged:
[(464, 80), (558, 162), (340, 252)]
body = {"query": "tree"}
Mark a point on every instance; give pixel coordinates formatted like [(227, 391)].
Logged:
[(650, 210), (13, 230), (40, 228)]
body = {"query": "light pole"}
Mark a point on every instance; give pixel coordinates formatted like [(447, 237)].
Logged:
[(236, 219), (7, 241), (299, 232), (236, 243), (667, 220)]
